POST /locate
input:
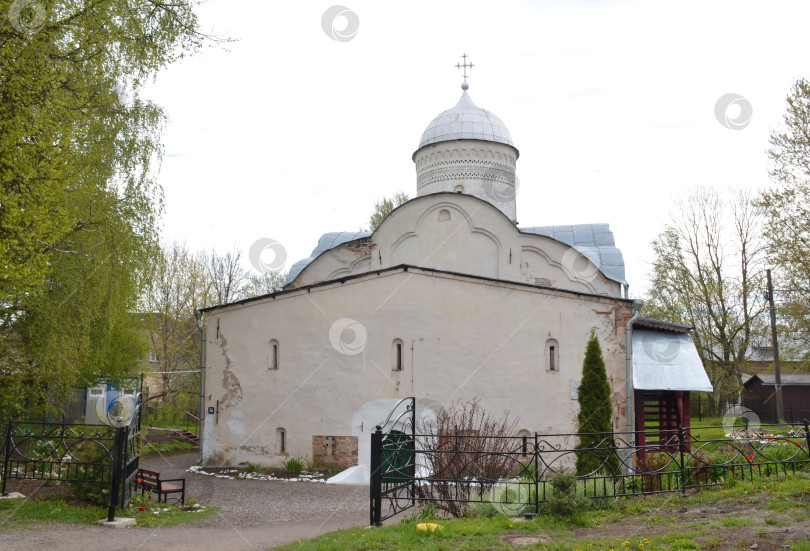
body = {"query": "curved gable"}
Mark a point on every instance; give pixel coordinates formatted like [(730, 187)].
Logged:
[(463, 234)]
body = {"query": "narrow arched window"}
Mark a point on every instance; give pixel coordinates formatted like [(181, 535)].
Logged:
[(397, 355), (552, 359), (273, 360), (281, 441), (526, 446)]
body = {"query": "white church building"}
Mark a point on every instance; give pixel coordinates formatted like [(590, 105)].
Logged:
[(448, 299)]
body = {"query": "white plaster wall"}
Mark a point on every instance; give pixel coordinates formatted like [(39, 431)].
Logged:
[(463, 234), (463, 338)]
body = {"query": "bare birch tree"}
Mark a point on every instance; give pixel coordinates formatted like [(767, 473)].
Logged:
[(708, 272)]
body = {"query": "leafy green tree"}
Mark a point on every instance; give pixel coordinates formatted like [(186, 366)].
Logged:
[(787, 210), (595, 413), (384, 206), (79, 203)]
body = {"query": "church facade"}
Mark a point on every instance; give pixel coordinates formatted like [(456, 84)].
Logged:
[(447, 300)]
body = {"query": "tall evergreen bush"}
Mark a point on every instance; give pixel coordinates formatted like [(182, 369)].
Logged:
[(595, 413)]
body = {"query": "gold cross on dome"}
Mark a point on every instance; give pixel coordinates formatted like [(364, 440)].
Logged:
[(464, 66)]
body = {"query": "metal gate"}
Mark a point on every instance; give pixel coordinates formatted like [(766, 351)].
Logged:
[(126, 459), (393, 463), (94, 454)]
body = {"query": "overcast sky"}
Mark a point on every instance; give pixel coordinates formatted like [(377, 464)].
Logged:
[(288, 133)]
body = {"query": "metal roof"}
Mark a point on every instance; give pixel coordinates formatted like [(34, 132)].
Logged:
[(646, 323), (465, 121), (788, 379), (663, 360), (327, 241), (594, 241)]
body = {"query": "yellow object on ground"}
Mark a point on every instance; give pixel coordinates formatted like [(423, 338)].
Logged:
[(432, 526)]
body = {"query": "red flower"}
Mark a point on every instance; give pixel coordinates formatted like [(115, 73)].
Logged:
[(140, 480), (751, 457), (142, 508)]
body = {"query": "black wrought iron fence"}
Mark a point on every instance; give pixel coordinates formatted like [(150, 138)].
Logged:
[(704, 408), (101, 455), (457, 471)]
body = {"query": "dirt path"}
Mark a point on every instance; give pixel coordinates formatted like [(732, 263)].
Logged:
[(254, 515)]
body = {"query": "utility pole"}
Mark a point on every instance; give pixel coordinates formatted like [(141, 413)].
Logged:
[(780, 407)]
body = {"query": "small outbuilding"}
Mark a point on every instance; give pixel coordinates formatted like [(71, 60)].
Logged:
[(759, 395), (666, 368)]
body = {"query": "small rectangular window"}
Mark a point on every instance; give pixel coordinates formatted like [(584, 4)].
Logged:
[(399, 357), (272, 361), (525, 448), (551, 363)]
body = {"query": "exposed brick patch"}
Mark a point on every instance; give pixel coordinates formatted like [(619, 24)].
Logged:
[(623, 314), (362, 246), (339, 451)]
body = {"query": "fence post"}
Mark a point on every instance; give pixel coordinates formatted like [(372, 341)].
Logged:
[(6, 456), (375, 483), (413, 453), (807, 437), (536, 476), (681, 439), (116, 472)]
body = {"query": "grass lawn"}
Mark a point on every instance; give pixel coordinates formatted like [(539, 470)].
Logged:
[(23, 513), (770, 512), (179, 425)]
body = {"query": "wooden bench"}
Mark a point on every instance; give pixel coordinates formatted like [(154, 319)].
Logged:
[(150, 480)]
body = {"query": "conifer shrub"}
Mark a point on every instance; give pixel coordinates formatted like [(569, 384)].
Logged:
[(563, 500), (595, 412)]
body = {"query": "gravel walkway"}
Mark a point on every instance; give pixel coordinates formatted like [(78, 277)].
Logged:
[(254, 515)]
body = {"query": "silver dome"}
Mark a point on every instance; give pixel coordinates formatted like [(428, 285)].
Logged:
[(466, 121)]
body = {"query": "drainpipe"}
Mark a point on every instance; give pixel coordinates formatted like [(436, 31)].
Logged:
[(201, 328), (628, 348)]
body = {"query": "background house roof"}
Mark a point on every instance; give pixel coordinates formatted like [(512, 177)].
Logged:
[(788, 379)]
